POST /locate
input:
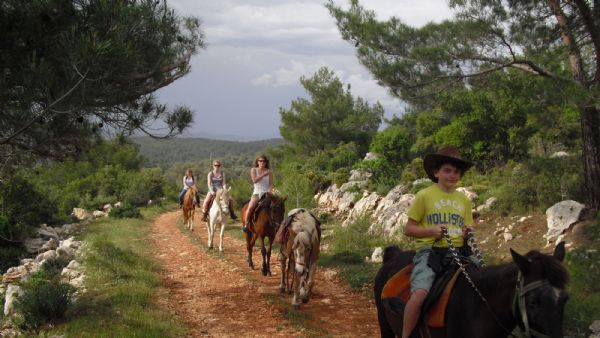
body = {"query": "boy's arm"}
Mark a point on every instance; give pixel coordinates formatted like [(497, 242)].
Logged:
[(413, 229)]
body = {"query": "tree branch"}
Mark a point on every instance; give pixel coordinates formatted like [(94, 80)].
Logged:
[(36, 118), (594, 32)]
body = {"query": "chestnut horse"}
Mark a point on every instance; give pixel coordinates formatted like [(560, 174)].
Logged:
[(189, 208), (266, 218), (299, 254), (218, 214), (528, 293)]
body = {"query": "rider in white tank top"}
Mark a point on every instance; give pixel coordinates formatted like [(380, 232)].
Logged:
[(262, 186)]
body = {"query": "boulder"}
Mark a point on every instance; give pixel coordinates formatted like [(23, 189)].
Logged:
[(80, 214), (377, 255), (561, 216), (487, 206), (364, 206), (12, 293), (33, 245), (98, 214), (471, 195), (47, 232), (359, 175), (595, 329)]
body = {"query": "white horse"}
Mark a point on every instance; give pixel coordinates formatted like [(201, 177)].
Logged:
[(302, 250), (218, 214)]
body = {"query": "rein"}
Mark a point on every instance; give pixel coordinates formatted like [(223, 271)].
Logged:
[(463, 270)]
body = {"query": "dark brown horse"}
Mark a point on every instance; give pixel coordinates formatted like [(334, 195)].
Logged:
[(266, 218), (528, 293)]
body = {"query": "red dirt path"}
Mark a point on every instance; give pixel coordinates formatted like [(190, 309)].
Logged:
[(215, 294)]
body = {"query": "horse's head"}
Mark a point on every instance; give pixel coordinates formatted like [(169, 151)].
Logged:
[(222, 197), (277, 205), (541, 295)]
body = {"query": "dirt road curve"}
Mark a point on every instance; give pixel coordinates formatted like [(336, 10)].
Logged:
[(217, 296)]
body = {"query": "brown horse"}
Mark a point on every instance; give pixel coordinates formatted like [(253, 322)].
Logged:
[(189, 208), (299, 254), (266, 218)]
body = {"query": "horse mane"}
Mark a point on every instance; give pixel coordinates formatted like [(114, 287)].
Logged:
[(390, 252), (550, 268), (218, 194), (553, 269)]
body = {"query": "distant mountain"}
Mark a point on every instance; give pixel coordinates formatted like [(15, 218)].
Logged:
[(167, 152)]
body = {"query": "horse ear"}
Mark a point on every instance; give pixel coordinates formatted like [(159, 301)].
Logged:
[(284, 198), (229, 188), (522, 262), (559, 251)]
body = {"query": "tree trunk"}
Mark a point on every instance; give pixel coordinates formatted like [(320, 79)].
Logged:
[(590, 135)]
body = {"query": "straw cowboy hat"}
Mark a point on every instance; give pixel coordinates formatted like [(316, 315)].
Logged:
[(446, 154)]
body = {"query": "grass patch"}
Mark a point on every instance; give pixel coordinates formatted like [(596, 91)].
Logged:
[(122, 282), (583, 306), (348, 247)]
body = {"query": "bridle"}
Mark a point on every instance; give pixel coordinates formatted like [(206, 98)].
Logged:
[(520, 291), (519, 305)]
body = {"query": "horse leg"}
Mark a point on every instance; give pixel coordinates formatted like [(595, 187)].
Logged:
[(291, 272), (310, 283), (208, 230), (263, 252), (282, 280), (250, 239), (221, 236), (191, 219), (296, 288), (269, 256)]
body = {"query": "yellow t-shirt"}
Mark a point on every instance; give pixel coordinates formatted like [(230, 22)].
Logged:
[(432, 206)]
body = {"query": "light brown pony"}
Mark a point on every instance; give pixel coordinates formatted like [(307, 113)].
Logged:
[(299, 255), (266, 219), (189, 208)]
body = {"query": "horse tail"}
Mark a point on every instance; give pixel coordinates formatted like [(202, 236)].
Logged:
[(390, 253)]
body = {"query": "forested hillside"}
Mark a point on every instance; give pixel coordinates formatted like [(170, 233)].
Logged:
[(164, 153)]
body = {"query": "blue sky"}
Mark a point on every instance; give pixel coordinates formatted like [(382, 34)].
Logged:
[(257, 50)]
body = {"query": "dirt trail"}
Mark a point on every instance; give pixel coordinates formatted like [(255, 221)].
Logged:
[(216, 295)]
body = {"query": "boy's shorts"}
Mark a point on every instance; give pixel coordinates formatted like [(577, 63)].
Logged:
[(422, 276)]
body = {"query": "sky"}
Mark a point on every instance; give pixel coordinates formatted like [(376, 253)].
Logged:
[(256, 52)]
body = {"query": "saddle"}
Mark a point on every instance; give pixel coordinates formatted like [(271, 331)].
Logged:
[(283, 233), (396, 290)]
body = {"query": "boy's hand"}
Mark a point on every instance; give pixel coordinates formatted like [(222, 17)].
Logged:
[(466, 231), (438, 231)]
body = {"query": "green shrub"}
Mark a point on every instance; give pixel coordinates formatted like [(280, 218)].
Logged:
[(583, 306), (536, 184), (22, 207), (10, 256), (355, 239), (43, 301), (126, 211), (53, 267)]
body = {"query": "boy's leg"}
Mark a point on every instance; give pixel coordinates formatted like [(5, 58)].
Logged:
[(412, 310), (421, 280)]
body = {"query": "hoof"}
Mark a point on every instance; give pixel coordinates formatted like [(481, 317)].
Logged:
[(281, 289), (305, 300), (296, 306)]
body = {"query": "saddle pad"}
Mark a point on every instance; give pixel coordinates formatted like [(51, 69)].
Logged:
[(437, 313), (399, 285)]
